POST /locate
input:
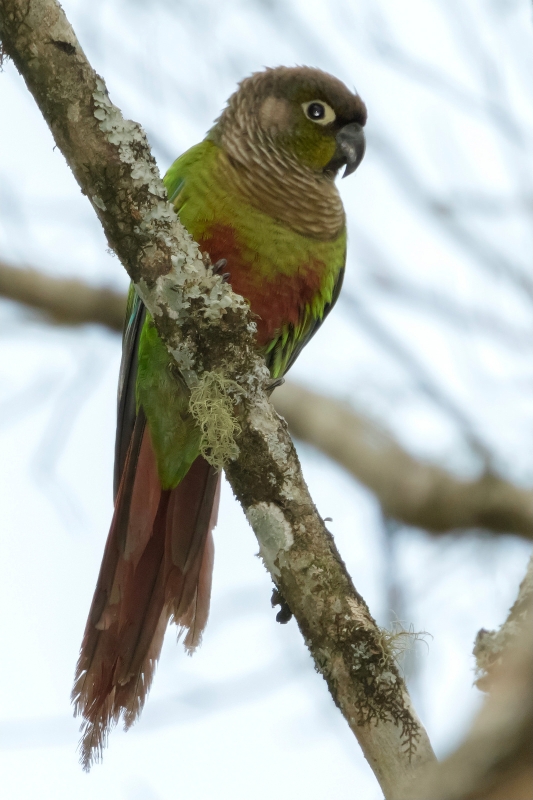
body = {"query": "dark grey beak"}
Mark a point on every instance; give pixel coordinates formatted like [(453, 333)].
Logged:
[(351, 147)]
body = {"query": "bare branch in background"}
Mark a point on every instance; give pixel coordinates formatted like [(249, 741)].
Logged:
[(495, 762), (201, 321), (411, 491), (63, 300)]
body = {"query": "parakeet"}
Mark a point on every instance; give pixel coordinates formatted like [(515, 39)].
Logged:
[(258, 192)]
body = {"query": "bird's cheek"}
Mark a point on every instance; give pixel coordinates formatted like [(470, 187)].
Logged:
[(316, 150)]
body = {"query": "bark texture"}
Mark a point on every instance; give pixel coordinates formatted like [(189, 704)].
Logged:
[(207, 328)]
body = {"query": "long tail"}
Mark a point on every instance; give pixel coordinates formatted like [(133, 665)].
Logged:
[(157, 565)]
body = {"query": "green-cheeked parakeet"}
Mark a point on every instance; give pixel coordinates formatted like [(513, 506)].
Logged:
[(259, 191)]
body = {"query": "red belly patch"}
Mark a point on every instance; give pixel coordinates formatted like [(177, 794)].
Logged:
[(277, 299)]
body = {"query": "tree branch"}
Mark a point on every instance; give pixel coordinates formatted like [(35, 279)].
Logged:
[(490, 646), (411, 491), (207, 328), (495, 762), (67, 301)]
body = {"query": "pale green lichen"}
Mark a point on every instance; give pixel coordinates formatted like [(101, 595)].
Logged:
[(98, 202), (129, 137), (185, 361), (273, 532), (189, 278), (211, 404), (266, 423), (398, 640)]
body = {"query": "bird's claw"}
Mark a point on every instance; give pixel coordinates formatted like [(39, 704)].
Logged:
[(218, 266), (274, 384), (284, 615)]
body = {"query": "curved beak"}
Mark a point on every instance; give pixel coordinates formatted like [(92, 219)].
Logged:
[(351, 147)]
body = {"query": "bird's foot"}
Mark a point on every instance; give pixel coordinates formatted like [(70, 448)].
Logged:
[(284, 615), (218, 266), (274, 384)]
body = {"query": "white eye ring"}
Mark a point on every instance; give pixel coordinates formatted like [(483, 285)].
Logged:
[(328, 116)]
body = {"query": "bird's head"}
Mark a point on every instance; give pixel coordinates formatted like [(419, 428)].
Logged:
[(295, 115)]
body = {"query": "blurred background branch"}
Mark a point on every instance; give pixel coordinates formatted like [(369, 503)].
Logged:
[(495, 762), (65, 301), (409, 490)]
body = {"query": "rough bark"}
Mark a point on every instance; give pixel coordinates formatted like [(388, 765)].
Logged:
[(409, 490), (208, 329)]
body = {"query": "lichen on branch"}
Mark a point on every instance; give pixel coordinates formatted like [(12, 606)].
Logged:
[(212, 404)]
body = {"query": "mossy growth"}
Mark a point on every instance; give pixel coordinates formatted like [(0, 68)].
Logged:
[(397, 640), (212, 406)]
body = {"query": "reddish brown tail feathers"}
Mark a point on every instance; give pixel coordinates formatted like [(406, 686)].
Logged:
[(157, 565)]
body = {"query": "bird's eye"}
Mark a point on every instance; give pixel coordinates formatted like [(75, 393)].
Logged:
[(318, 111)]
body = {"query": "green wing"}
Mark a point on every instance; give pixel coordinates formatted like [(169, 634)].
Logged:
[(126, 402), (281, 354)]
